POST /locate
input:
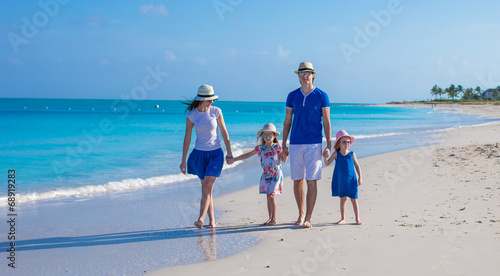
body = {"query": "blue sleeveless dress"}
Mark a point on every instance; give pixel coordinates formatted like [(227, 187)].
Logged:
[(344, 180)]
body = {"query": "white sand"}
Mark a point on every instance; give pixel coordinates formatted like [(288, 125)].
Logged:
[(432, 210)]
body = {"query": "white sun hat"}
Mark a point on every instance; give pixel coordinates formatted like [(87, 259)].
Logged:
[(206, 93), (268, 127)]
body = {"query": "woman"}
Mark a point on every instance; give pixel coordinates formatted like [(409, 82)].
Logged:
[(206, 159)]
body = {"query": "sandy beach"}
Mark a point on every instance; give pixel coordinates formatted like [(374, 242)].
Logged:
[(432, 210)]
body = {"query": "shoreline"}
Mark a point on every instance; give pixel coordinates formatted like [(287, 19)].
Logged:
[(135, 231), (440, 201)]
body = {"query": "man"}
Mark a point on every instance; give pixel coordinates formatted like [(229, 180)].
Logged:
[(306, 108)]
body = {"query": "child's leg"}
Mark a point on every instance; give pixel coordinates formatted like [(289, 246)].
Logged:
[(272, 199), (343, 201), (271, 207), (356, 210)]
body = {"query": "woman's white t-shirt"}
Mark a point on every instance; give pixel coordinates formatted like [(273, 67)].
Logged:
[(206, 127)]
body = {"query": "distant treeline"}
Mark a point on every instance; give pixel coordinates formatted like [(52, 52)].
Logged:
[(465, 94)]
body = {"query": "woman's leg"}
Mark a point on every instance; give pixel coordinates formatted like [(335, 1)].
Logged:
[(206, 202)]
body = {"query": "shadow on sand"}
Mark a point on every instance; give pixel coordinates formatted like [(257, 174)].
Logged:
[(137, 236)]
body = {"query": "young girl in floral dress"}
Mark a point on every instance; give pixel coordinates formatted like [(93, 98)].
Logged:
[(271, 181)]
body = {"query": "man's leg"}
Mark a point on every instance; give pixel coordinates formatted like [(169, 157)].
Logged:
[(313, 171), (312, 192), (297, 171), (298, 190)]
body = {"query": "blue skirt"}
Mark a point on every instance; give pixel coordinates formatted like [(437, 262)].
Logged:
[(205, 163)]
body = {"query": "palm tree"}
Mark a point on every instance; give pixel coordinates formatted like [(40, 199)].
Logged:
[(435, 90), (460, 90), (452, 92), (495, 93), (447, 91), (468, 94), (440, 92), (478, 91)]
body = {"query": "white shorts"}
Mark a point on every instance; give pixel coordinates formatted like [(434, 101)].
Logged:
[(305, 161)]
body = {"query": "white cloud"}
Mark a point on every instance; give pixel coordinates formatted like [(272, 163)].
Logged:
[(282, 53), (96, 20), (169, 56), (262, 53), (104, 61), (440, 61), (154, 10), (15, 61), (332, 30), (198, 60), (482, 28), (232, 53)]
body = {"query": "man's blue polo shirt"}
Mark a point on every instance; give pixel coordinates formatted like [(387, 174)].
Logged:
[(307, 114)]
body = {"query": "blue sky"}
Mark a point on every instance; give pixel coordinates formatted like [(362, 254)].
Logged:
[(364, 51)]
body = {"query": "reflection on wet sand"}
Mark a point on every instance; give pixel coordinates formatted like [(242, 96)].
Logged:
[(207, 245)]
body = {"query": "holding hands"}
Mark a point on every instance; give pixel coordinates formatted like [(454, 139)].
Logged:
[(326, 152), (284, 151), (183, 166)]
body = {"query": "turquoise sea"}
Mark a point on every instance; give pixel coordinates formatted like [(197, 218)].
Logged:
[(94, 172), (63, 149)]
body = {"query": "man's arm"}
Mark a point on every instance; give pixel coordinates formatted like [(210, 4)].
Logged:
[(287, 124), (328, 131)]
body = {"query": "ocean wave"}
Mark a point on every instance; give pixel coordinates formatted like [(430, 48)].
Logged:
[(92, 190), (110, 187), (380, 135)]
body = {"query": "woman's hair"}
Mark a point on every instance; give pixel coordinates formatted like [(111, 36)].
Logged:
[(192, 105), (262, 142)]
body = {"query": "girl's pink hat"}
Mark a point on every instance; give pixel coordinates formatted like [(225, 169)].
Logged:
[(341, 134)]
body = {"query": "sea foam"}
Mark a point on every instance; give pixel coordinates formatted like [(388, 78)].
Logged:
[(110, 187)]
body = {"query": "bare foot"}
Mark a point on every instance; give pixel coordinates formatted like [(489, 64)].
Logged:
[(265, 223), (211, 225), (358, 222), (199, 224), (271, 222), (300, 221), (307, 224), (342, 221)]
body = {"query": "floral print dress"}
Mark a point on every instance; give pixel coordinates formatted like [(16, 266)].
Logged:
[(271, 181)]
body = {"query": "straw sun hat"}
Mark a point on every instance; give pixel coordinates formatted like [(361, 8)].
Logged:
[(305, 67), (206, 93), (268, 127)]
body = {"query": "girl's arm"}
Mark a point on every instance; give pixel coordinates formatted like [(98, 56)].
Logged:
[(187, 142), (225, 135), (358, 169), (283, 157), (242, 157), (330, 160)]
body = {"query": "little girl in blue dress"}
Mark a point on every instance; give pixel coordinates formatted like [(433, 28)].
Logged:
[(344, 181)]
